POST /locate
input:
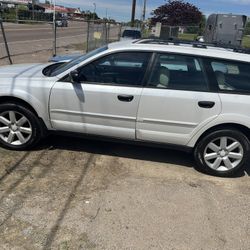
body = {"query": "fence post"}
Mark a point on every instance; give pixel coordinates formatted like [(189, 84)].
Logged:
[(108, 32), (88, 30), (5, 42), (54, 42), (16, 13), (120, 32)]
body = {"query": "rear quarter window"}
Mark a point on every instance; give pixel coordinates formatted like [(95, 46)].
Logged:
[(232, 75)]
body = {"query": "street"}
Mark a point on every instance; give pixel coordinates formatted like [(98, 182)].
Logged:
[(34, 43), (28, 33)]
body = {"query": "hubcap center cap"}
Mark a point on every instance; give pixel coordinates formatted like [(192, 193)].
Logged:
[(14, 127), (223, 153)]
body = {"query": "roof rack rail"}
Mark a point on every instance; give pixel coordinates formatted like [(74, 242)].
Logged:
[(195, 44)]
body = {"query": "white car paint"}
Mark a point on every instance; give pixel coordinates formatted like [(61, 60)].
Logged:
[(172, 116), (94, 109), (167, 116), (235, 110), (26, 82)]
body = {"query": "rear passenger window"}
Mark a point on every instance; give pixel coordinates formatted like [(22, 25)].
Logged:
[(178, 72), (232, 76)]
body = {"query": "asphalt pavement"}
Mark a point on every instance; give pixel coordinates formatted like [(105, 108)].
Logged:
[(22, 32), (34, 43)]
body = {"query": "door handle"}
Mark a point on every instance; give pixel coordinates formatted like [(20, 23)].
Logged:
[(125, 98), (206, 104)]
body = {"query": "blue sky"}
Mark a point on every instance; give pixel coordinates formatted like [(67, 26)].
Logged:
[(121, 9)]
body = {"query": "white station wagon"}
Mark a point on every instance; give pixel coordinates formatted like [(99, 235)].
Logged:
[(186, 95)]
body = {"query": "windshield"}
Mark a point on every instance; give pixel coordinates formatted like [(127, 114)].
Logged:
[(132, 33), (74, 62)]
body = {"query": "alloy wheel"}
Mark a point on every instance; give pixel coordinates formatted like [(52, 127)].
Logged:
[(223, 154), (15, 128)]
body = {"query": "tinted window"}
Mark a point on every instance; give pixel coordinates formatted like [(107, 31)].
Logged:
[(132, 33), (232, 76), (118, 69), (76, 61), (178, 72)]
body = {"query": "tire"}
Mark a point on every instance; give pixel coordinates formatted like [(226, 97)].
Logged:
[(20, 128), (222, 153)]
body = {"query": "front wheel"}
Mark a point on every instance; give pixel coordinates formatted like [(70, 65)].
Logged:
[(223, 152), (19, 127)]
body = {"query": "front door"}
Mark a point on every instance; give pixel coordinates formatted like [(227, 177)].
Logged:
[(105, 100), (177, 102)]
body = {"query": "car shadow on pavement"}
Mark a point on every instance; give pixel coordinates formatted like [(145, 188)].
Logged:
[(119, 149), (126, 150)]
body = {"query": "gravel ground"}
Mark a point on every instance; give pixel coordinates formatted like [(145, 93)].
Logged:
[(40, 56), (75, 193)]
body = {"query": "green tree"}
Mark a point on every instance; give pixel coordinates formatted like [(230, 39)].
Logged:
[(247, 29), (177, 13), (88, 15)]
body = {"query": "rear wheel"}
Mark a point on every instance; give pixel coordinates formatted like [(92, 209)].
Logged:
[(20, 128), (223, 152)]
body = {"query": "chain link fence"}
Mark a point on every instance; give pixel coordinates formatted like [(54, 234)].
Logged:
[(100, 34), (30, 41), (197, 33)]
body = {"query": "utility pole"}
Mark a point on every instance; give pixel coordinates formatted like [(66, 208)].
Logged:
[(54, 29), (94, 15), (143, 15), (33, 9), (144, 11), (133, 13)]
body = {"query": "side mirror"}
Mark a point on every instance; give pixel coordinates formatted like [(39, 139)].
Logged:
[(74, 76)]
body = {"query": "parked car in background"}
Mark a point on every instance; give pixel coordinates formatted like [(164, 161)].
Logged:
[(149, 92), (62, 23), (131, 33)]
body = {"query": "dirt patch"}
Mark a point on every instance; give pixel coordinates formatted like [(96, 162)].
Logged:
[(79, 194)]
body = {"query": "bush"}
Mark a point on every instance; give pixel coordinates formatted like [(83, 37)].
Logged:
[(247, 29)]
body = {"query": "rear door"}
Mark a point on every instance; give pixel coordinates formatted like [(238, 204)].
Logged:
[(177, 101)]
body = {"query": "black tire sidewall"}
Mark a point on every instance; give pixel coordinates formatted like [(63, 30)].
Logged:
[(202, 144), (34, 121)]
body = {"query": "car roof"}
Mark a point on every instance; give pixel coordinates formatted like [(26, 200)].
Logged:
[(188, 49)]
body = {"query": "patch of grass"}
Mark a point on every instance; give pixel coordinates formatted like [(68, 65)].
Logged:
[(186, 36), (80, 46), (246, 42)]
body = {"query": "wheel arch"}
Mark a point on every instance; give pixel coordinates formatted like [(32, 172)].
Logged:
[(12, 99), (17, 100), (242, 128)]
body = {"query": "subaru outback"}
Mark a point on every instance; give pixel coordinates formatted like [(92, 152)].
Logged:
[(196, 98)]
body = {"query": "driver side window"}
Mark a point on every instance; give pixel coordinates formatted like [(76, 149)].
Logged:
[(125, 68)]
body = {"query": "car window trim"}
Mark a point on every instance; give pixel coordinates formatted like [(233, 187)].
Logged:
[(213, 80), (200, 60), (148, 70), (212, 83), (202, 57), (141, 85)]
